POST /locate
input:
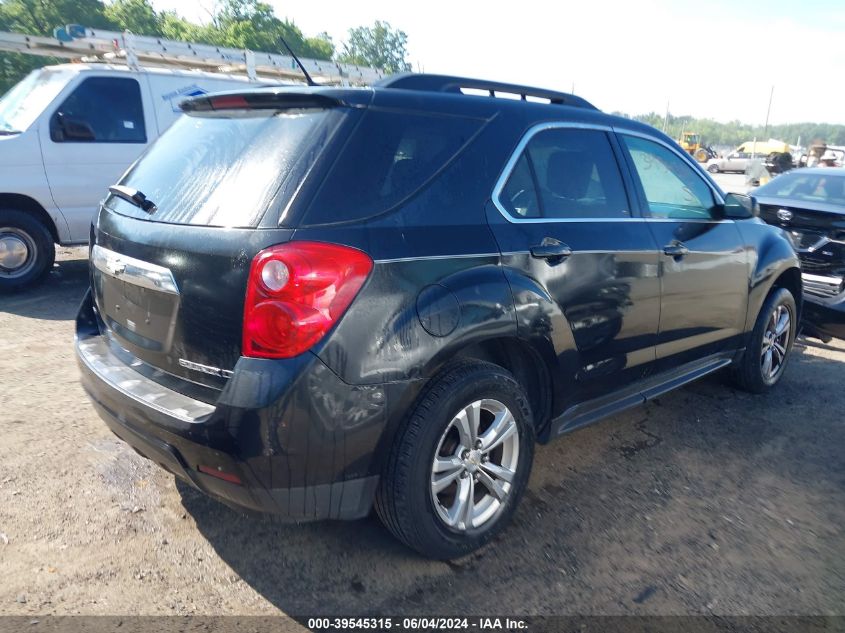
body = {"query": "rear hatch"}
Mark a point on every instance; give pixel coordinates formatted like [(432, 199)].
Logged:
[(175, 238)]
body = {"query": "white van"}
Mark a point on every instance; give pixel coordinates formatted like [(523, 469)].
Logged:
[(67, 132)]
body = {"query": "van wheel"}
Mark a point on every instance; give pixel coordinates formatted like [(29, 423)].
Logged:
[(27, 251), (763, 363), (460, 463)]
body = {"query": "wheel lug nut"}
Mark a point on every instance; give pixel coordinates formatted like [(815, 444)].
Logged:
[(478, 444)]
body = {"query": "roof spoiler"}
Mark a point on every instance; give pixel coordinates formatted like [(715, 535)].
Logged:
[(272, 100)]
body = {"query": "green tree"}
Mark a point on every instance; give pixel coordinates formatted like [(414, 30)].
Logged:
[(40, 17), (175, 27), (137, 16), (379, 46), (735, 132), (253, 24)]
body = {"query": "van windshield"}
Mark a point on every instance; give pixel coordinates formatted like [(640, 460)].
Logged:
[(22, 104), (226, 168)]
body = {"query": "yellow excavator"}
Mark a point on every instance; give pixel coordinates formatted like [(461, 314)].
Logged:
[(691, 143)]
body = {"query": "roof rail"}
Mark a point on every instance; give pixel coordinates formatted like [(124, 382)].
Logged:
[(446, 83)]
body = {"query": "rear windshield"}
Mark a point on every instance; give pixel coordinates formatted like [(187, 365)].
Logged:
[(390, 156), (226, 168)]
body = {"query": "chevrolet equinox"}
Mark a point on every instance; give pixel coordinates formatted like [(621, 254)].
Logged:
[(314, 301)]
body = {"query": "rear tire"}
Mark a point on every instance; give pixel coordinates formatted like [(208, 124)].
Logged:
[(713, 169), (27, 251), (430, 475), (769, 346)]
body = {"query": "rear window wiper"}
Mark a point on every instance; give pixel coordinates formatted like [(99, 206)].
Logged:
[(133, 196)]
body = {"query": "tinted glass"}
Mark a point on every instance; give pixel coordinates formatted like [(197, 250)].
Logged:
[(671, 187), (519, 195), (101, 110), (566, 173), (225, 169), (389, 157), (828, 187)]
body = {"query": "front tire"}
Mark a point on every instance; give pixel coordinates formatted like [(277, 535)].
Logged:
[(769, 346), (27, 251), (460, 463), (713, 169)]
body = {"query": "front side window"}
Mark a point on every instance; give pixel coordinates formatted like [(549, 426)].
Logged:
[(671, 187), (565, 174), (101, 110), (25, 101)]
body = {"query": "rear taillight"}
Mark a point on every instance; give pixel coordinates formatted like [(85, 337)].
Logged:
[(296, 293)]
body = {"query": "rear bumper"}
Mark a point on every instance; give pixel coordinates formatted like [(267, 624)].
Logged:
[(288, 437)]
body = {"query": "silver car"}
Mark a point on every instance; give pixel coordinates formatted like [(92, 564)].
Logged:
[(735, 161)]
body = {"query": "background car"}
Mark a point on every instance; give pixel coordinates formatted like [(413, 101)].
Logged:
[(810, 205)]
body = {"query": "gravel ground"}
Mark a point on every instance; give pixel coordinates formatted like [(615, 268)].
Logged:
[(707, 500)]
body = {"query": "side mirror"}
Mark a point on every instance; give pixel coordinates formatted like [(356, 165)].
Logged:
[(67, 129), (740, 207)]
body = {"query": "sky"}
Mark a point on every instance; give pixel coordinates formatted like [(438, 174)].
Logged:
[(717, 59)]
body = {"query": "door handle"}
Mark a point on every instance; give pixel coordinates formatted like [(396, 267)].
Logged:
[(676, 250), (551, 248)]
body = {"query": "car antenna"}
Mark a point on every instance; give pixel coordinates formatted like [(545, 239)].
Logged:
[(308, 79)]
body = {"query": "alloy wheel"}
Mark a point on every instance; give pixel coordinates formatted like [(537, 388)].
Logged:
[(775, 342), (475, 465)]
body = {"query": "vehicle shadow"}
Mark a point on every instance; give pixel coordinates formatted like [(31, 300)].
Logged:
[(327, 567), (835, 345), (56, 298), (624, 517)]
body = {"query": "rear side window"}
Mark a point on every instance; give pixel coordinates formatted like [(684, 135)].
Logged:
[(101, 110), (389, 157), (520, 193), (566, 174), (226, 168)]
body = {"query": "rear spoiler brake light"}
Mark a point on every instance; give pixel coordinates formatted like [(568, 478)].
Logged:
[(259, 101)]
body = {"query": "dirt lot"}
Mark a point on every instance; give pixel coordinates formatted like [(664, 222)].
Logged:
[(705, 501)]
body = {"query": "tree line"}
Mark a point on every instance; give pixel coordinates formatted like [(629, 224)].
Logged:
[(235, 23), (734, 133)]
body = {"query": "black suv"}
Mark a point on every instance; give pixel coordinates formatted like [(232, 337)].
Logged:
[(313, 301)]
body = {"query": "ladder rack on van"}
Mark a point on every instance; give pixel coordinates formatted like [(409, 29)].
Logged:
[(90, 45)]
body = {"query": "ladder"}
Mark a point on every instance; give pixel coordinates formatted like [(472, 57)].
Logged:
[(89, 45)]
